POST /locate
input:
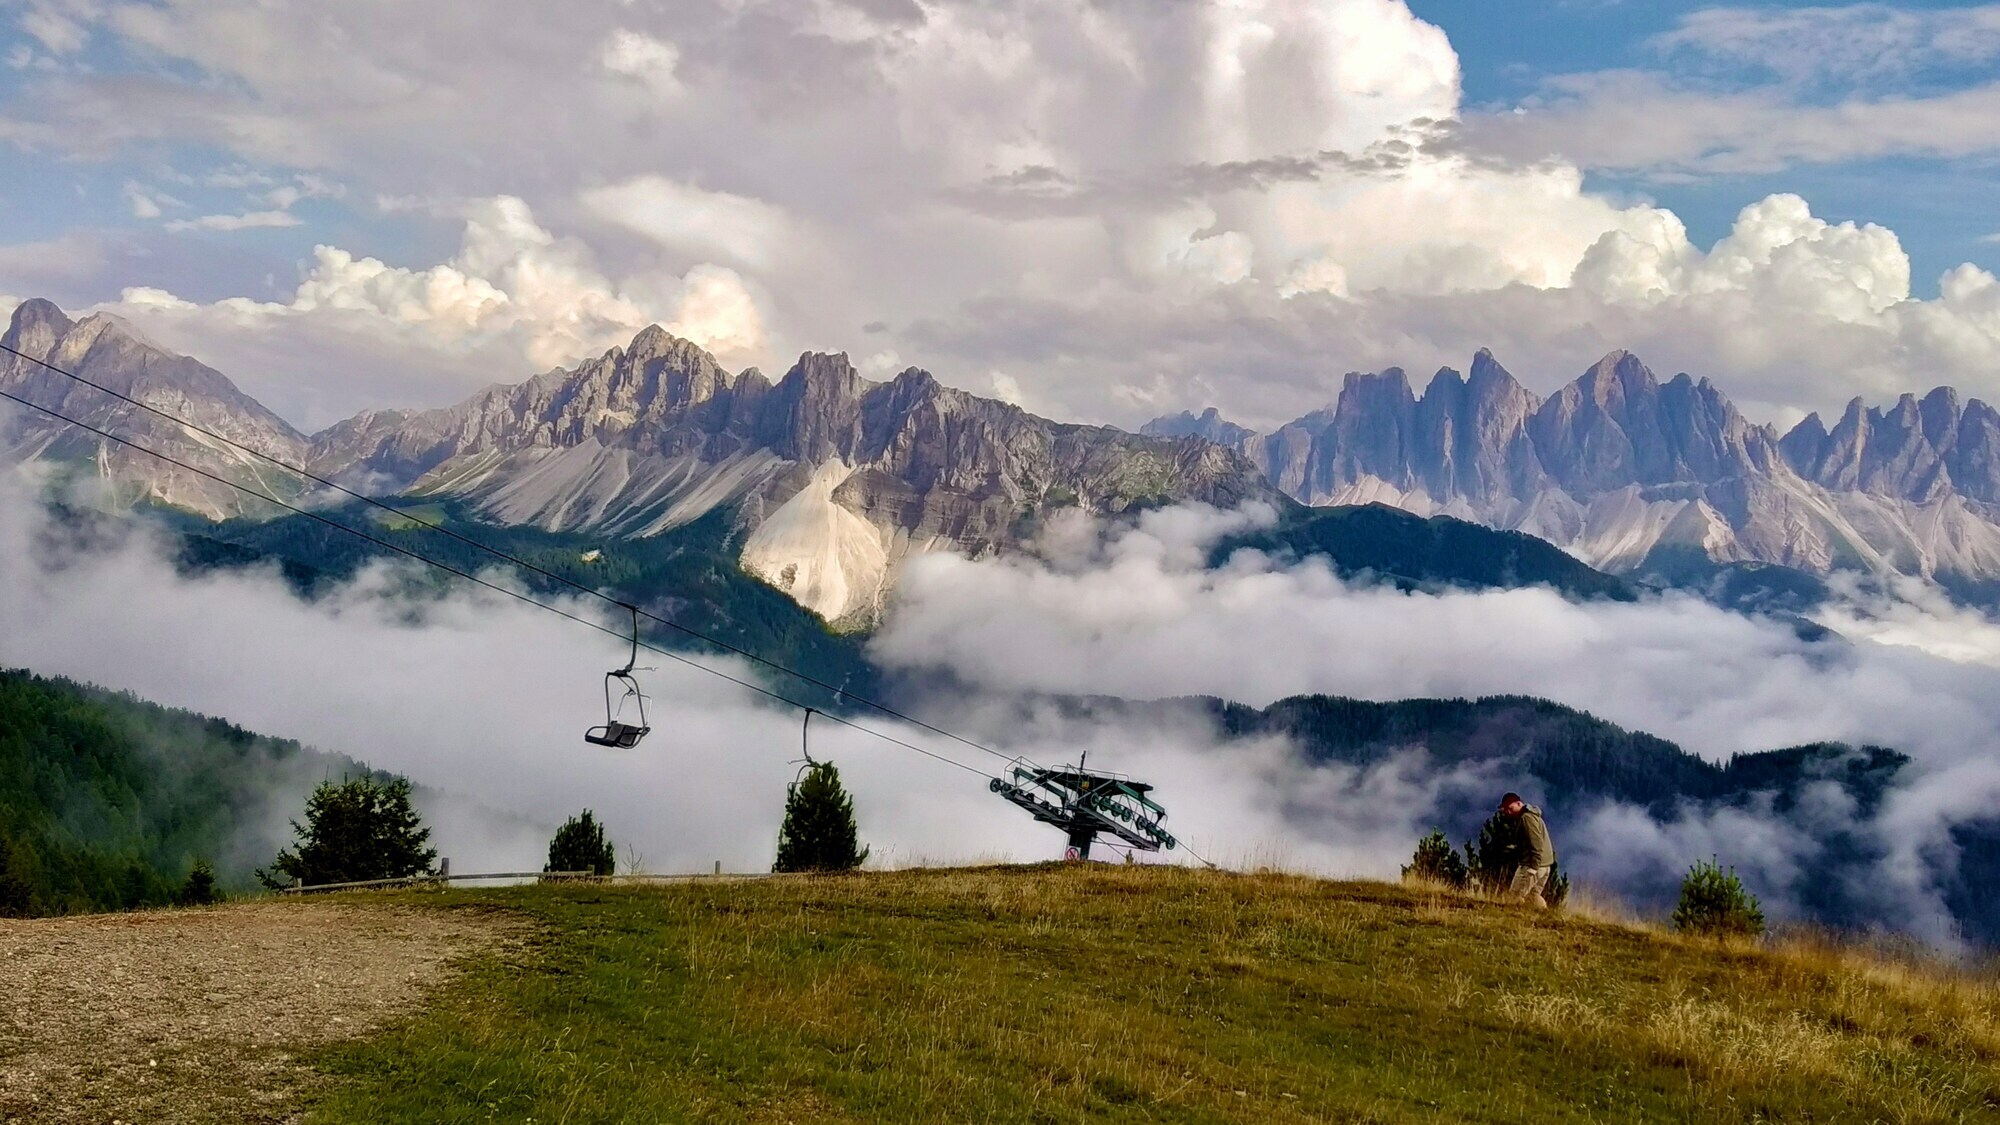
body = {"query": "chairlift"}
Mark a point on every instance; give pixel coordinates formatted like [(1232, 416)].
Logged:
[(615, 732), (805, 747)]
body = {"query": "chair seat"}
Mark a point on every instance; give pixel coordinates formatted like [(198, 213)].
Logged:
[(622, 736)]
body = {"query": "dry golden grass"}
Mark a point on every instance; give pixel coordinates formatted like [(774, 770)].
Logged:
[(1149, 994)]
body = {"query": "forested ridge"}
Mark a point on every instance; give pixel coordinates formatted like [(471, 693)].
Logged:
[(107, 801)]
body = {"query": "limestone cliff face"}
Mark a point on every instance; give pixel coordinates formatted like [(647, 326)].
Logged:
[(1617, 465), (104, 350)]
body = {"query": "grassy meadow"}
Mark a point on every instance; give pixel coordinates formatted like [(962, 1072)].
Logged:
[(1110, 993)]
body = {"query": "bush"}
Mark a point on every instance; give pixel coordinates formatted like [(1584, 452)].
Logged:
[(1489, 857), (355, 830), (200, 889), (579, 845), (1714, 903), (1437, 862), (818, 833), (1557, 892)]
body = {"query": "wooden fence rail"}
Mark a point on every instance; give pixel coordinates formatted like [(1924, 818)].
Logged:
[(445, 877)]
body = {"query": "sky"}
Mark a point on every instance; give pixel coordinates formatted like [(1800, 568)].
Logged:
[(1103, 211)]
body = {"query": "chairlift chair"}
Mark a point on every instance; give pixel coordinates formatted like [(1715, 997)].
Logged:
[(615, 732)]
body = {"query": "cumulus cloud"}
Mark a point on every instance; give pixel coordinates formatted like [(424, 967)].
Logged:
[(1126, 209), (514, 294)]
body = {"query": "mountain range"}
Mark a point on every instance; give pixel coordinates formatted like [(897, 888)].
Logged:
[(832, 480), (835, 478), (1630, 473)]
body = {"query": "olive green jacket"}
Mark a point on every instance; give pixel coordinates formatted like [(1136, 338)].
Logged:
[(1536, 850)]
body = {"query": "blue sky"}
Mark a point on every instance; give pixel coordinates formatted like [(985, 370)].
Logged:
[(1941, 209), (1101, 211)]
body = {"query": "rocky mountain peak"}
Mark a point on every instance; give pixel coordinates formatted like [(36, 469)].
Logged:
[(105, 351), (1209, 425), (1617, 378), (1941, 414), (37, 325), (1447, 383)]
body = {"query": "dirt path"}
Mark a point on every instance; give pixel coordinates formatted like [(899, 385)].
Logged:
[(193, 1015)]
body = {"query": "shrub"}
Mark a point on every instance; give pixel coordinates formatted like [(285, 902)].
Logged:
[(818, 833), (1489, 857), (1715, 903), (199, 889), (579, 845), (355, 830), (1557, 892), (1437, 862)]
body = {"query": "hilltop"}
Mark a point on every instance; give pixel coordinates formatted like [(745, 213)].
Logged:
[(1121, 994)]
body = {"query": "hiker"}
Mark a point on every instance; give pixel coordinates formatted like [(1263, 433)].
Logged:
[(1534, 856)]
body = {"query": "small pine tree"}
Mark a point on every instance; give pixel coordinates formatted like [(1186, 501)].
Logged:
[(818, 833), (1489, 857), (1557, 892), (579, 845), (354, 830), (199, 889), (1436, 862), (1714, 903)]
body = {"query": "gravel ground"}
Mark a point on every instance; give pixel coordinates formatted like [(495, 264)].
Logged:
[(194, 1015)]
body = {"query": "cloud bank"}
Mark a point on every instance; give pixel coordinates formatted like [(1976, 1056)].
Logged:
[(1131, 611), (484, 699)]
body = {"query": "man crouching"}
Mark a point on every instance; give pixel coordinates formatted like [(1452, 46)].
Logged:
[(1534, 856)]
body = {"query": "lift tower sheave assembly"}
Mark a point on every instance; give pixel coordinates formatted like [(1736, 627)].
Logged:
[(1084, 803)]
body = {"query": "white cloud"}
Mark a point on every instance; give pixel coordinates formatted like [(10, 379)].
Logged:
[(144, 206), (713, 225), (1857, 42), (638, 55), (514, 294), (247, 221), (1127, 209), (62, 29), (1633, 121), (1133, 613)]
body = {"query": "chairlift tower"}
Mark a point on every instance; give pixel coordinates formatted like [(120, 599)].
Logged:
[(1084, 803)]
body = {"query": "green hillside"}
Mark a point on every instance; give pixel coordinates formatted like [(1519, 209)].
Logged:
[(688, 575), (106, 801), (1410, 551), (1109, 993)]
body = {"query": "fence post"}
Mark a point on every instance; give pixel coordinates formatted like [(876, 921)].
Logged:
[(718, 867), (298, 883), (444, 869)]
